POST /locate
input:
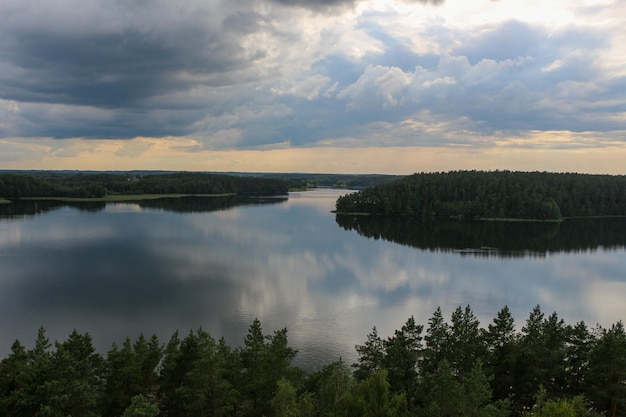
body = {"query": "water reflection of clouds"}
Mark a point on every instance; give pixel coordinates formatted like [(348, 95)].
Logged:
[(10, 235), (289, 265), (123, 208), (323, 200), (65, 230)]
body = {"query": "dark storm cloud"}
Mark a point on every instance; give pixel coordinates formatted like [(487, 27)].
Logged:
[(116, 69), (248, 74), (126, 69)]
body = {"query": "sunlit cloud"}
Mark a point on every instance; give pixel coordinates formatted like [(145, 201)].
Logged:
[(221, 81)]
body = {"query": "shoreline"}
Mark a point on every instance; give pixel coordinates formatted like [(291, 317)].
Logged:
[(120, 197), (489, 219)]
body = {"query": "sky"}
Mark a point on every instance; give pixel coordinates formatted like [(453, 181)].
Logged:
[(337, 86)]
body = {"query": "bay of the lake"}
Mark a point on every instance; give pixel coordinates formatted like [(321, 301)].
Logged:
[(116, 270)]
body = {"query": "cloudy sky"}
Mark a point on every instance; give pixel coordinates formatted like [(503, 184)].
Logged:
[(346, 86)]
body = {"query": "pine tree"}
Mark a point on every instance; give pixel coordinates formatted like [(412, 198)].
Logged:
[(502, 351), (607, 370)]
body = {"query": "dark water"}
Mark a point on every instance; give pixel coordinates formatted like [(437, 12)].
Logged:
[(117, 270)]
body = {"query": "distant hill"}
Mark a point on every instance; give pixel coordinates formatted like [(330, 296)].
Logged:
[(493, 195)]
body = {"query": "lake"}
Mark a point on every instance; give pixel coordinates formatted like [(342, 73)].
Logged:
[(121, 269)]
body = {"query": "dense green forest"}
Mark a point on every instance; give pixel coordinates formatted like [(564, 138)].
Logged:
[(95, 185), (88, 184), (493, 194), (350, 181), (444, 368)]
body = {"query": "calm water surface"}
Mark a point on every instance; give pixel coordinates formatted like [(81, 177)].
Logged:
[(119, 270)]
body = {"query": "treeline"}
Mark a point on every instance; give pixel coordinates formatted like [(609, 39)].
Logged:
[(445, 368), (493, 194), (88, 185), (350, 181)]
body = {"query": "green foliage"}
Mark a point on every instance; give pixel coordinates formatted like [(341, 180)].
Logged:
[(542, 357), (496, 194), (502, 353), (558, 407), (265, 359), (82, 185), (373, 398), (285, 401), (547, 369), (444, 393), (436, 342), (607, 370), (332, 387), (371, 356), (130, 371), (140, 406)]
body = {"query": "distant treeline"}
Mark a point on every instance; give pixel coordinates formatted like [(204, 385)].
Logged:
[(493, 194), (351, 181), (446, 368), (90, 185)]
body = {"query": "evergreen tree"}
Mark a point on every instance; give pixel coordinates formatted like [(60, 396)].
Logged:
[(332, 387), (541, 360), (607, 370), (440, 392), (171, 376), (464, 343), (130, 370), (577, 352), (204, 390), (140, 406), (501, 357), (16, 383), (285, 401), (371, 355), (263, 365), (373, 398), (73, 383), (401, 358), (436, 340)]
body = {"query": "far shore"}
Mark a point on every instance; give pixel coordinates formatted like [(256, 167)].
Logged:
[(121, 197)]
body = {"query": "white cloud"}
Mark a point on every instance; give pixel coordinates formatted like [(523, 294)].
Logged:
[(261, 75)]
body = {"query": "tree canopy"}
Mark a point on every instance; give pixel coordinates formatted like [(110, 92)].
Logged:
[(94, 185), (493, 194), (447, 367)]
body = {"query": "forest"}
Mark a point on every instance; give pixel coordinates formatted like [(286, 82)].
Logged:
[(445, 367), (97, 185), (492, 195)]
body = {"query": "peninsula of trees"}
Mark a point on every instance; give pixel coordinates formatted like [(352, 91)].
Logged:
[(98, 185), (446, 368), (492, 195)]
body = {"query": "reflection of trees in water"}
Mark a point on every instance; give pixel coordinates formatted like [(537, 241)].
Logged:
[(203, 204), (21, 208), (487, 238)]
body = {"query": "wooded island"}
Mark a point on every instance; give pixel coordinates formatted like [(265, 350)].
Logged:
[(492, 195)]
